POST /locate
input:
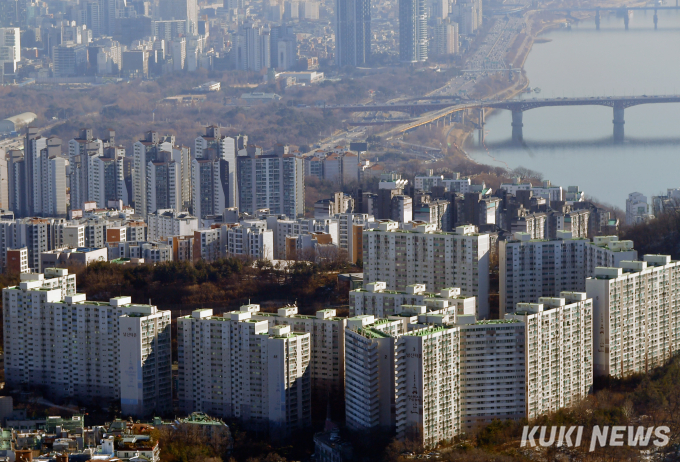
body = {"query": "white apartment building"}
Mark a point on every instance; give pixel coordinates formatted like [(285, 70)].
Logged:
[(90, 350), (273, 181), (636, 315), (250, 240), (374, 299), (370, 372), (492, 371), (10, 47), (168, 222), (558, 346), (534, 268), (327, 344), (637, 209), (427, 391), (207, 245), (291, 228), (423, 255), (350, 233), (236, 367)]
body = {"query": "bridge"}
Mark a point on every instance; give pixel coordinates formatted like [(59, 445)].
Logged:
[(518, 107), (620, 10)]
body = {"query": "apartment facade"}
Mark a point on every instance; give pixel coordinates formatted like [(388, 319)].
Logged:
[(423, 255), (558, 347), (74, 348), (636, 315), (236, 367), (532, 268)]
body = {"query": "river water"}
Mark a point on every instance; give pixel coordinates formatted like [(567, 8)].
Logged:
[(574, 145)]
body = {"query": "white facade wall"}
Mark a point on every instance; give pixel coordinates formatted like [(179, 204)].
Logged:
[(425, 256), (636, 315)]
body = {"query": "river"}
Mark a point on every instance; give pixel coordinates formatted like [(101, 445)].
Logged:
[(574, 145)]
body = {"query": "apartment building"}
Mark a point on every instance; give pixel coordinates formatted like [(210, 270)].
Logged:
[(492, 371), (427, 391), (374, 299), (214, 174), (237, 367), (534, 268), (370, 346), (249, 240), (636, 315), (423, 255), (169, 222), (327, 345), (273, 181), (103, 352), (285, 228), (558, 346), (350, 233)]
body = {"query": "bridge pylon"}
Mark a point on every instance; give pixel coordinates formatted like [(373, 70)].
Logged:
[(597, 19), (619, 123), (517, 125)]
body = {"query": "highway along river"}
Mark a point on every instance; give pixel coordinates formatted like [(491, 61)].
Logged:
[(575, 145)]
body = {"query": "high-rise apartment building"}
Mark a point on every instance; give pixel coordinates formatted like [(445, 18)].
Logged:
[(252, 48), (165, 223), (492, 371), (273, 181), (423, 255), (636, 315), (249, 240), (237, 367), (214, 173), (558, 346), (327, 346), (445, 38), (637, 209), (534, 268), (370, 346), (412, 31), (352, 32), (427, 378), (160, 155), (103, 352)]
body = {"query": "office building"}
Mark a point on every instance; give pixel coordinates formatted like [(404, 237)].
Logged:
[(10, 49), (251, 50), (534, 268), (181, 10), (352, 32), (636, 315), (423, 255), (283, 191), (236, 367), (101, 352), (413, 31), (558, 346)]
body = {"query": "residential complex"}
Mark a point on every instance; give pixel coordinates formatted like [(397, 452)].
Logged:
[(636, 315), (245, 370), (534, 268), (73, 348), (401, 257)]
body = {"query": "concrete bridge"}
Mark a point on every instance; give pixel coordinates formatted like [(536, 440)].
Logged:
[(518, 107), (621, 11), (617, 103)]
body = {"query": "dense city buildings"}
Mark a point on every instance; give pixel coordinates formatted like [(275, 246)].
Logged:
[(413, 31)]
